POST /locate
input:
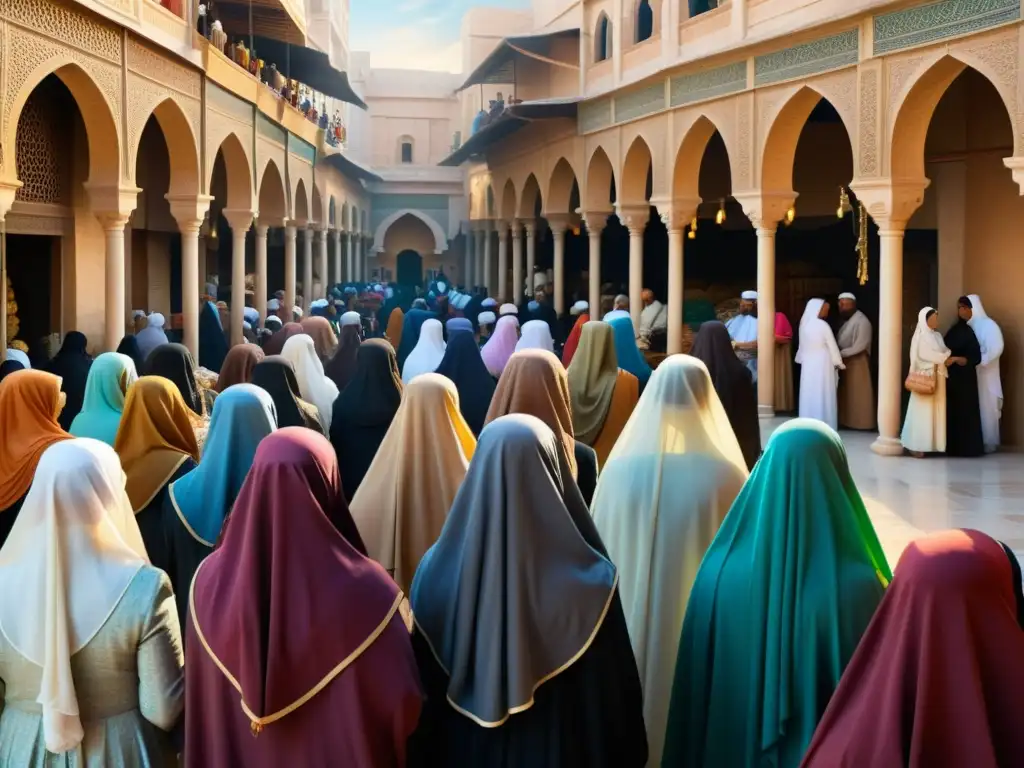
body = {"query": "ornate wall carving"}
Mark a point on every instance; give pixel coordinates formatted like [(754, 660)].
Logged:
[(939, 20), (743, 178), (807, 59), (867, 138), (709, 84), (595, 115), (144, 96), (66, 24), (42, 155)]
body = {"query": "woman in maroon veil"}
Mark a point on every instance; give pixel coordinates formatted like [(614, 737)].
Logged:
[(299, 646)]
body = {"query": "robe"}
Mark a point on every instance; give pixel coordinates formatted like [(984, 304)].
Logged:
[(963, 412), (783, 396), (151, 525), (924, 429), (653, 317), (990, 386), (819, 357), (856, 390), (743, 329)]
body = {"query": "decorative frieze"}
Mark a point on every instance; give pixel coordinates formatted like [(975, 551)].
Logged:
[(938, 21), (645, 101), (820, 55), (709, 84), (595, 115), (271, 130)]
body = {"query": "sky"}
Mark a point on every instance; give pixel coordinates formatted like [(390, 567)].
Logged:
[(414, 34)]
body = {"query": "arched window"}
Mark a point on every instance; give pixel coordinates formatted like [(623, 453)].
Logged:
[(603, 39), (644, 21), (405, 150)]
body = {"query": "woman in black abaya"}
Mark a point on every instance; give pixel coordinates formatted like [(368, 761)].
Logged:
[(963, 412), (72, 364), (464, 366)]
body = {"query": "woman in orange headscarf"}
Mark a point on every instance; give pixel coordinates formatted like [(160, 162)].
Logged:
[(325, 341), (396, 320), (580, 308), (157, 445), (30, 402)]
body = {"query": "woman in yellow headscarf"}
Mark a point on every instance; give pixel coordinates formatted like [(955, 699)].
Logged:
[(157, 445), (404, 499), (394, 330)]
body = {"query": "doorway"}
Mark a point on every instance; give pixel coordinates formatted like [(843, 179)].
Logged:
[(409, 268), (30, 268)]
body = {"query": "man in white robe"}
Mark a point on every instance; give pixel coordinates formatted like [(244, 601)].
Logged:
[(818, 357), (743, 331), (990, 385), (856, 390)]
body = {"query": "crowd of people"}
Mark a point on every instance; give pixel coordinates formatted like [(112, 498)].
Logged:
[(438, 530)]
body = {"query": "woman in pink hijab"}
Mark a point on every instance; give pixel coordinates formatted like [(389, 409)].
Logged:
[(501, 345)]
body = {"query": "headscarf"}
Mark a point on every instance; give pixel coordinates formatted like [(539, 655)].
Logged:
[(592, 378), (276, 342), (277, 376), (938, 678), (243, 415), (152, 336), (342, 366), (314, 386), (502, 344), (457, 324), (535, 383), (174, 363), (213, 344), (130, 346), (780, 602), (427, 354), (574, 339), (410, 336), (18, 356), (155, 438), (734, 386), (403, 500), (517, 586), (990, 339), (629, 356), (29, 405), (464, 366), (364, 410), (923, 335), (393, 332), (7, 367), (238, 366), (324, 339), (668, 484), (110, 378), (289, 577), (71, 364), (536, 335), (71, 555)]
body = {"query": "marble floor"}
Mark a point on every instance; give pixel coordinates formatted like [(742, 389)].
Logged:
[(908, 497)]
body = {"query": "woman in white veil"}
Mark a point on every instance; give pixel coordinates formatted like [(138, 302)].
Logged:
[(536, 334), (428, 353), (314, 386), (924, 430), (819, 359)]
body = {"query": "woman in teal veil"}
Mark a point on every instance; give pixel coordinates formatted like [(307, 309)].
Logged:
[(110, 377), (780, 602)]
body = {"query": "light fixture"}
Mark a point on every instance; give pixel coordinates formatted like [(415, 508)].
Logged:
[(692, 234), (844, 203), (720, 216), (790, 215)]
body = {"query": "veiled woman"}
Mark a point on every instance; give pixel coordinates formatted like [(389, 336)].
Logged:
[(239, 364), (213, 344), (628, 353), (157, 445), (734, 385), (602, 395), (364, 411), (938, 678), (573, 341), (342, 366), (535, 383), (521, 640), (780, 602), (325, 341), (393, 332), (197, 504), (277, 376), (30, 402), (110, 378), (174, 363), (71, 364), (130, 346), (428, 352), (410, 336), (964, 435), (924, 427), (340, 684), (463, 364), (536, 334), (501, 346), (7, 367), (276, 342), (92, 674), (675, 471), (314, 386), (403, 500)]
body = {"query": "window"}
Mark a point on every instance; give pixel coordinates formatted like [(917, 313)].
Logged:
[(405, 150), (603, 39), (644, 21)]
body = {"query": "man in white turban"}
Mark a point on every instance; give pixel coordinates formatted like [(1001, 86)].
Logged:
[(508, 309), (856, 390), (579, 308), (990, 385), (743, 331)]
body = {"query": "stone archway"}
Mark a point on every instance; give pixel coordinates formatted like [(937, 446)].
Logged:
[(182, 149), (237, 174), (560, 188), (600, 182), (689, 156), (440, 240), (636, 173), (273, 205), (508, 201), (530, 203)]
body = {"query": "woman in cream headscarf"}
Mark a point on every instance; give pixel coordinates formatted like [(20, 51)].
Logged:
[(536, 335), (428, 352), (96, 663), (314, 386), (671, 478), (403, 500), (924, 430), (603, 395)]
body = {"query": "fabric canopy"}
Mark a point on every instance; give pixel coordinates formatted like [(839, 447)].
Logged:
[(308, 66)]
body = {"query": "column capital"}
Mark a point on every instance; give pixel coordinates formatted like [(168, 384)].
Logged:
[(8, 189), (516, 228), (270, 221), (239, 219), (558, 222), (262, 228), (890, 202), (764, 208), (336, 234), (112, 204), (676, 213), (189, 210), (289, 228), (1015, 164), (634, 217), (531, 227), (595, 221)]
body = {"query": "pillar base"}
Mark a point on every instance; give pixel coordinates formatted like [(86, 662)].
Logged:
[(887, 446), (766, 411)]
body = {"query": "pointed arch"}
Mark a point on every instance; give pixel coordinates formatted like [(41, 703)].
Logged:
[(182, 149), (508, 201), (689, 155), (560, 186), (237, 172), (635, 171), (300, 210), (600, 182), (440, 240), (531, 199), (273, 203), (603, 38), (316, 212)]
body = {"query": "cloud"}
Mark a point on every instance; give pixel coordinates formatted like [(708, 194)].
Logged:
[(414, 47)]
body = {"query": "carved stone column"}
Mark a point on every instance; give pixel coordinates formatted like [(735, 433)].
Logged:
[(559, 224), (635, 218), (676, 215), (189, 212), (596, 222), (113, 206), (239, 221)]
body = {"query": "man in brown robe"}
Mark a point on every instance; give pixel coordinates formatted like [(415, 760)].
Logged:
[(856, 391)]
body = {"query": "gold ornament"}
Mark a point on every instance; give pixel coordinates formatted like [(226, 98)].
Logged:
[(862, 245)]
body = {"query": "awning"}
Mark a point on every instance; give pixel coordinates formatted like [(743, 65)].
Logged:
[(308, 66), (483, 139), (499, 67), (275, 19), (545, 109), (350, 167)]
